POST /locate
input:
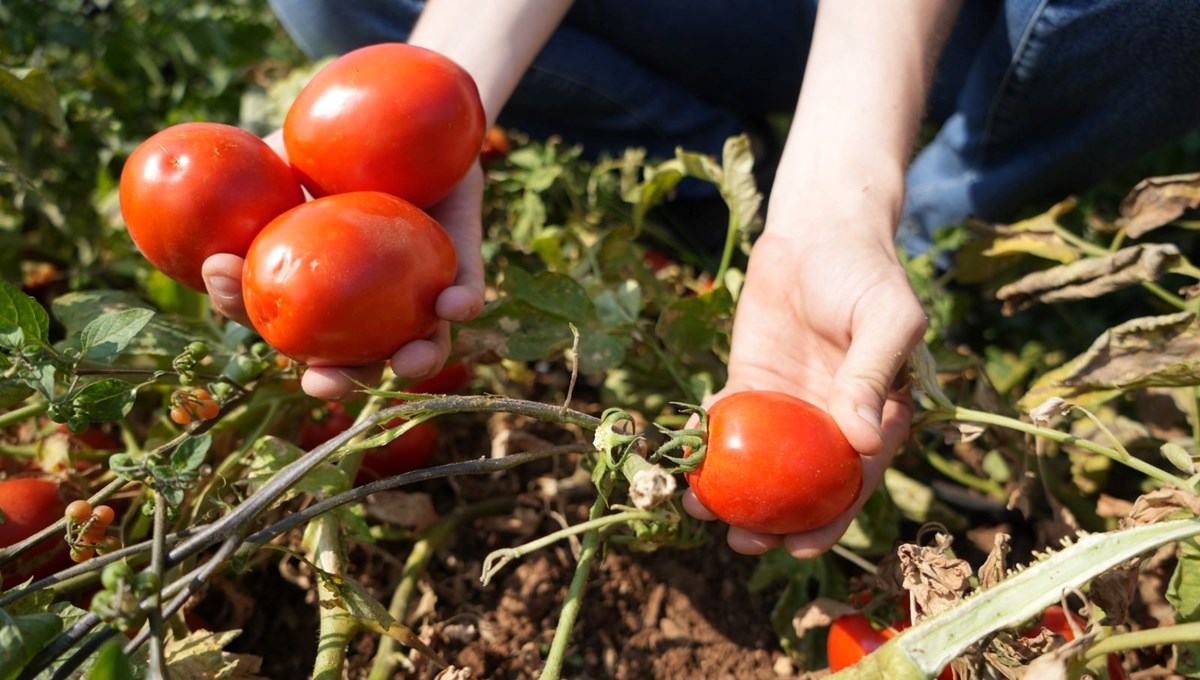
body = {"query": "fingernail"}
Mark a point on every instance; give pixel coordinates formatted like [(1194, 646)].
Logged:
[(870, 416), (224, 287)]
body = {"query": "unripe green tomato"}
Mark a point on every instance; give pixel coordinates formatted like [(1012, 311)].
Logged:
[(146, 583), (115, 574)]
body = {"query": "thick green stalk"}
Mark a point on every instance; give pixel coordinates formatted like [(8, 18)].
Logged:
[(574, 601)]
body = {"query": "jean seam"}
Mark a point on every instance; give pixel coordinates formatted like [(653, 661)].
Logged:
[(1006, 86)]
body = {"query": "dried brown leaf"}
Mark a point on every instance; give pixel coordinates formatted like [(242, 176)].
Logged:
[(935, 580), (1157, 201), (1161, 351), (820, 613), (994, 568), (1114, 590), (1091, 277), (1161, 504)]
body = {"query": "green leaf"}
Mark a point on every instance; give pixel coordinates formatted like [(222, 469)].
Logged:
[(111, 663), (108, 400), (738, 186), (269, 455), (13, 392), (22, 319), (108, 334), (163, 336), (619, 306), (691, 325), (552, 293), (599, 351), (1183, 592), (189, 455), (22, 637), (33, 90)]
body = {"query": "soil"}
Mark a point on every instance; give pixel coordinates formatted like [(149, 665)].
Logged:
[(672, 613)]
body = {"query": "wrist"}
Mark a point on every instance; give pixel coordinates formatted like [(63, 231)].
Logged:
[(836, 200)]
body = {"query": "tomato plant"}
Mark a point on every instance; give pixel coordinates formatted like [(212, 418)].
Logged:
[(389, 117), (30, 505), (410, 451), (198, 189), (348, 279), (776, 464)]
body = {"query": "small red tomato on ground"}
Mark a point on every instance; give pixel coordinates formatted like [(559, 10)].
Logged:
[(30, 505), (347, 280), (389, 117), (410, 451), (775, 464), (198, 189), (452, 379)]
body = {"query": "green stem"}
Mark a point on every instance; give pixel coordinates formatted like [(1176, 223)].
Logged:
[(955, 471), (157, 657), (338, 627), (384, 665), (1182, 633), (731, 233), (28, 411), (971, 415), (571, 606), (1167, 296)]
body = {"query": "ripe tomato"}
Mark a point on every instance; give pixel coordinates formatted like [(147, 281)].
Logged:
[(452, 379), (30, 505), (775, 464), (92, 438), (346, 280), (390, 117), (198, 189), (851, 637), (313, 433), (410, 451)]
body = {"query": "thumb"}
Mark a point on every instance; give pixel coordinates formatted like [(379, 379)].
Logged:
[(880, 344)]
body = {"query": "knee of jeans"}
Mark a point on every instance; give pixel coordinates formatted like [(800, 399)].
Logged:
[(323, 28)]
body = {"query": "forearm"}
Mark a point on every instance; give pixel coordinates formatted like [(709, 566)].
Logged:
[(864, 93), (494, 41)]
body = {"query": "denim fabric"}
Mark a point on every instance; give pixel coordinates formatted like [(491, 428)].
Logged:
[(1036, 97)]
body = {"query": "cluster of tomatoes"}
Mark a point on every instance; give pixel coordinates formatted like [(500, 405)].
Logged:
[(87, 530), (376, 137), (192, 405)]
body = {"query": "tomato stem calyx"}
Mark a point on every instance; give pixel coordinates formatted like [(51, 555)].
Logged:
[(691, 441)]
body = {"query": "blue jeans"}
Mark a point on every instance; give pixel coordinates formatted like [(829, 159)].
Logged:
[(1035, 98)]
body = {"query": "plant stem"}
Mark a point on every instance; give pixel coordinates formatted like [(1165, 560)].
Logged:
[(1181, 633), (570, 611), (955, 471), (157, 657), (338, 627), (384, 665), (971, 415), (731, 233), (28, 411)]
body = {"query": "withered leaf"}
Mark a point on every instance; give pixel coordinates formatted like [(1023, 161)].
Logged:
[(819, 613), (994, 568), (935, 580), (1091, 277), (1161, 504), (1157, 201), (1113, 591), (1036, 236)]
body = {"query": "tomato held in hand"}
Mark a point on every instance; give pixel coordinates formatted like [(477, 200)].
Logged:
[(198, 189), (775, 464), (346, 280), (390, 117), (30, 505)]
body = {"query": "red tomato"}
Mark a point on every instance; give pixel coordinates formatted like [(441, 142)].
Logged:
[(410, 451), (313, 433), (495, 146), (198, 189), (348, 279), (1055, 620), (92, 438), (452, 379), (30, 505), (390, 117), (852, 637), (775, 464)]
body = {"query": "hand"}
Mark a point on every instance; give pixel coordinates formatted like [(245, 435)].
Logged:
[(460, 214), (831, 321)]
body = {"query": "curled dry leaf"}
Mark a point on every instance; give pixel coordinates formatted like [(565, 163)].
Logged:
[(819, 613), (1053, 664), (650, 487), (1157, 201), (1045, 411), (1091, 277), (994, 568), (1161, 504), (1036, 236), (1113, 591), (1152, 351), (935, 579), (455, 673)]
